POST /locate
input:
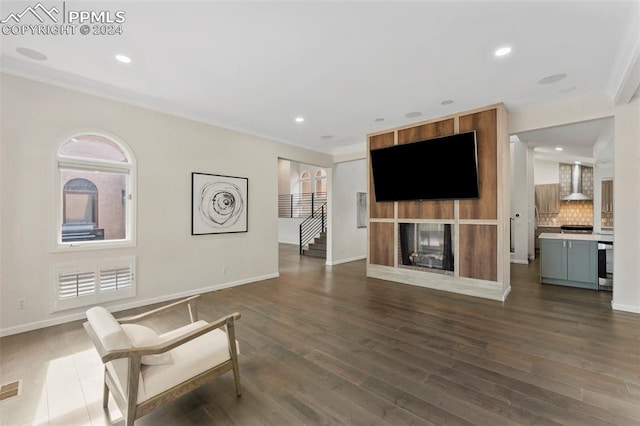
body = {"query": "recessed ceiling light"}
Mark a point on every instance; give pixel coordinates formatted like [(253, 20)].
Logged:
[(326, 137), (502, 51), (124, 59), (299, 119), (446, 102), (378, 120), (413, 114), (31, 54), (552, 78), (558, 148)]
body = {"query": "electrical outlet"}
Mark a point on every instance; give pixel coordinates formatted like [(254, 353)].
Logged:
[(22, 303)]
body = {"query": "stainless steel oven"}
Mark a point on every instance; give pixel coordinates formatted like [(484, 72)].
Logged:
[(605, 265)]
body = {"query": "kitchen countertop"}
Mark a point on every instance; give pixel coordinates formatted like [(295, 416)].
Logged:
[(581, 237)]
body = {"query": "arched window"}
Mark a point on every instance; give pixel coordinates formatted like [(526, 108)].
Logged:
[(305, 182), (321, 181), (96, 174)]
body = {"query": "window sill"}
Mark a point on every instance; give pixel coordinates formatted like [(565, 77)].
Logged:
[(92, 245)]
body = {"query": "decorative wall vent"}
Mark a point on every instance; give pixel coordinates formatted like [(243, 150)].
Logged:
[(10, 390)]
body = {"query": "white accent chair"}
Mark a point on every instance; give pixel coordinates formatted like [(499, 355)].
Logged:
[(144, 370)]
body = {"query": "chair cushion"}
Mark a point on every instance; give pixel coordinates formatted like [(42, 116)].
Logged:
[(113, 337), (141, 336), (189, 359), (107, 328)]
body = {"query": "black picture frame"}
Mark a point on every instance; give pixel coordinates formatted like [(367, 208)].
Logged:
[(219, 204)]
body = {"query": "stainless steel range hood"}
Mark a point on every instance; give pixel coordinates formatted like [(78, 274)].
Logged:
[(576, 185)]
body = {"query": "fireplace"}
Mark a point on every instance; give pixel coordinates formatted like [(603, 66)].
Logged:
[(426, 246)]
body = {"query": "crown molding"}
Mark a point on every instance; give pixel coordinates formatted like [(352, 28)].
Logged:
[(625, 75), (84, 85)]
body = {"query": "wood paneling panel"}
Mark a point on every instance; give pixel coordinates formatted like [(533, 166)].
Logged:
[(478, 254), (485, 125), (426, 131), (381, 243), (376, 209), (426, 209)]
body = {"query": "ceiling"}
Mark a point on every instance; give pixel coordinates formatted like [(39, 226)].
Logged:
[(348, 68), (576, 141)]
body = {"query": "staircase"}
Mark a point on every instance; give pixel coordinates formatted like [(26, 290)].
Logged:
[(317, 247), (313, 234)]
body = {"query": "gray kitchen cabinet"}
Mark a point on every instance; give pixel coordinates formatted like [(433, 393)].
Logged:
[(572, 263), (541, 229)]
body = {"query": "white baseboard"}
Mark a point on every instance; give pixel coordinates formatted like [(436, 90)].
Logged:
[(351, 259), (135, 304), (506, 293), (626, 308), (520, 261)]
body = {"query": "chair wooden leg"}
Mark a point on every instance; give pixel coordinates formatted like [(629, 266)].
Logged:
[(231, 335), (236, 377), (105, 392), (130, 418), (132, 389)]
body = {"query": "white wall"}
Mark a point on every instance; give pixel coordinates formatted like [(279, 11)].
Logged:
[(284, 176), (520, 193), (289, 230), (532, 202), (171, 262), (626, 208), (348, 242), (546, 172)]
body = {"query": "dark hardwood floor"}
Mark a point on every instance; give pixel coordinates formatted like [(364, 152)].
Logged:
[(326, 345)]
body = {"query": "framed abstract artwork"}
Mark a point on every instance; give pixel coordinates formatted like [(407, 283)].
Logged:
[(219, 204), (361, 210)]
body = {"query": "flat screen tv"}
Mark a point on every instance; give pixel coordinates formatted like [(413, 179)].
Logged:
[(441, 168)]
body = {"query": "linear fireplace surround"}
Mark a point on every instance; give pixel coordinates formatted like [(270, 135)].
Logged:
[(426, 246)]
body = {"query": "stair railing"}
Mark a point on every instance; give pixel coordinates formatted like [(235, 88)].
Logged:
[(300, 205), (313, 225)]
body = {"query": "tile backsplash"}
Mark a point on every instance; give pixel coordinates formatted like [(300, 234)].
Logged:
[(571, 212)]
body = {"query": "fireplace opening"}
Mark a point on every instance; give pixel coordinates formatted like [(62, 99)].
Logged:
[(426, 246)]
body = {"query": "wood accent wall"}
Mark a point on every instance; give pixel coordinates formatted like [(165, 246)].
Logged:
[(381, 243), (479, 231), (384, 209), (485, 207), (478, 256), (426, 209)]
